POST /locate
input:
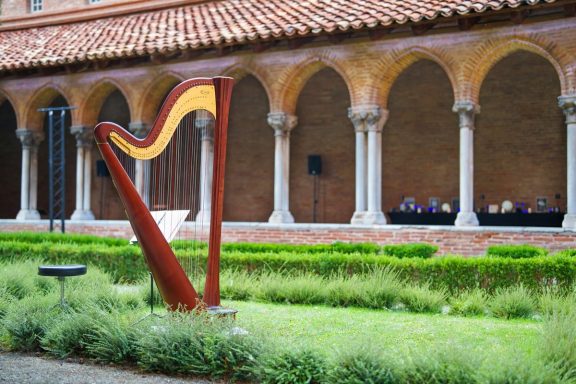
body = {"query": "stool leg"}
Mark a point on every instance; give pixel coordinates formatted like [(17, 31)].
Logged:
[(61, 279)]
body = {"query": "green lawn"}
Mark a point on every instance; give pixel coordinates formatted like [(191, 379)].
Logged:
[(337, 329)]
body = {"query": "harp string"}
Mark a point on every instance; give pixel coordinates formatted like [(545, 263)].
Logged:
[(179, 179)]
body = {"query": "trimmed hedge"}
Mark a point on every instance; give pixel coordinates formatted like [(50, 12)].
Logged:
[(51, 237), (515, 251), (424, 251), (453, 272), (122, 262), (337, 247), (566, 252)]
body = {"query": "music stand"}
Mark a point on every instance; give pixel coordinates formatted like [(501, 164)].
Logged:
[(151, 314), (169, 223)]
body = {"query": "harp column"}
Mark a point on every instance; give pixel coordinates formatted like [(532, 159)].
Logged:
[(84, 139), (568, 105), (29, 177), (466, 111), (282, 123), (141, 167), (206, 125)]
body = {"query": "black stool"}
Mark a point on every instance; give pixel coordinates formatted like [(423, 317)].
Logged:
[(61, 272)]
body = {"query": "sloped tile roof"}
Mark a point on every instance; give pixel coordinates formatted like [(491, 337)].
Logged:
[(218, 23)]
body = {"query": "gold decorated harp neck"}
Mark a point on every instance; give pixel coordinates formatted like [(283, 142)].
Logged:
[(179, 103)]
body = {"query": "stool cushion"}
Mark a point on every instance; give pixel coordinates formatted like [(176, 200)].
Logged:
[(62, 270)]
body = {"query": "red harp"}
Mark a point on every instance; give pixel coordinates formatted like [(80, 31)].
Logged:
[(173, 129)]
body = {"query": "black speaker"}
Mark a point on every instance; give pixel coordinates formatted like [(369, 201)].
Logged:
[(102, 169), (314, 164)]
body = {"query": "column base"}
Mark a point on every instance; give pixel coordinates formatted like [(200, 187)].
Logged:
[(372, 218), (281, 217), (358, 217), (466, 219), (82, 215), (28, 214), (203, 217), (569, 221)]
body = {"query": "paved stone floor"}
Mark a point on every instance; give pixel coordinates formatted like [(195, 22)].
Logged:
[(29, 369)]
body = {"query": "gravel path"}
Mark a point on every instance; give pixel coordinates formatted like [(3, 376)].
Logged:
[(27, 369)]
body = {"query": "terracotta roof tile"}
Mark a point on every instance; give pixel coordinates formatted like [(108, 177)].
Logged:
[(217, 23)]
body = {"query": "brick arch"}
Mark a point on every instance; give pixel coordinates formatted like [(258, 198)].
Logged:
[(291, 83), (92, 104), (41, 98), (240, 71), (492, 52), (404, 59), (153, 97)]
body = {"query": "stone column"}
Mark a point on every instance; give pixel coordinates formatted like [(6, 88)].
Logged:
[(375, 119), (358, 117), (84, 139), (206, 125), (282, 123), (141, 167), (466, 112), (568, 105), (29, 177)]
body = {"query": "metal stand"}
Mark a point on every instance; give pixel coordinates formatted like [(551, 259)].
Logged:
[(57, 164), (151, 314), (315, 198), (62, 300)]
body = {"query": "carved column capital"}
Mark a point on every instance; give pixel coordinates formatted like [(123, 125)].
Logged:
[(568, 105), (281, 122), (84, 136), (138, 128), (369, 117), (29, 139), (466, 111)]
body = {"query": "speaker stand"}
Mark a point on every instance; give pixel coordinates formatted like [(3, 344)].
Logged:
[(315, 198)]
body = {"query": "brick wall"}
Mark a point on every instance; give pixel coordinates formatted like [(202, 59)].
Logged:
[(468, 242), (249, 182), (420, 141), (520, 136), (323, 129)]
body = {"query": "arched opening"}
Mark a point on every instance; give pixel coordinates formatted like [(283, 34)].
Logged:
[(323, 129), (249, 176), (11, 157), (105, 201), (520, 136), (420, 142), (43, 158)]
